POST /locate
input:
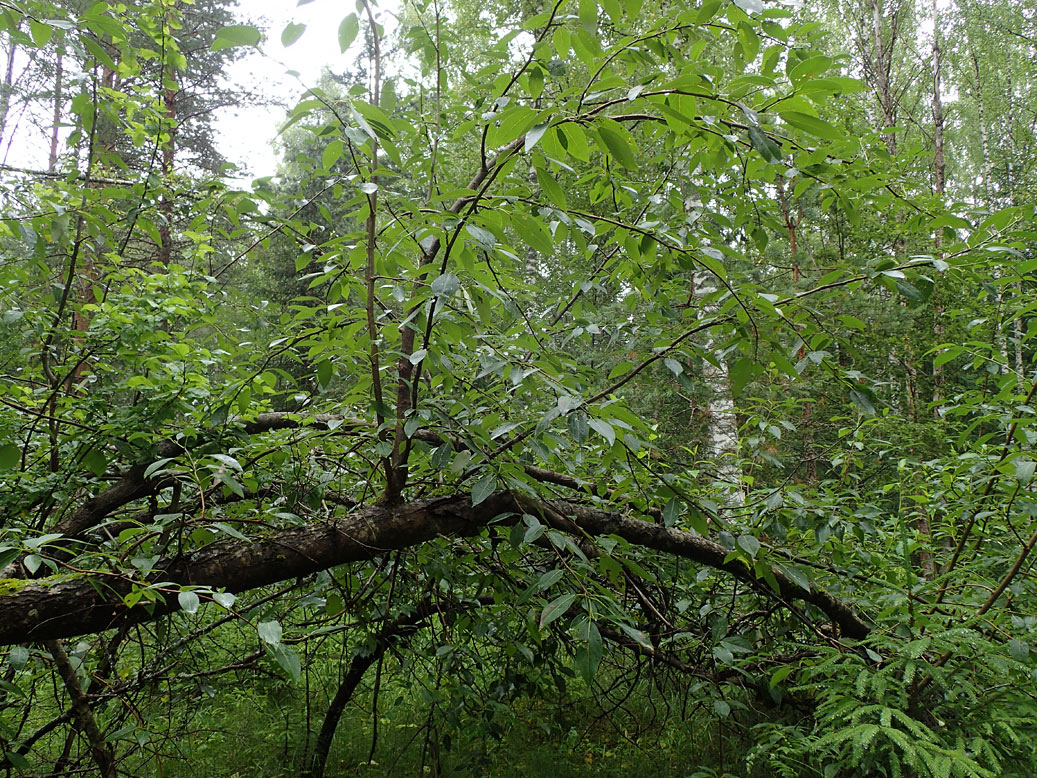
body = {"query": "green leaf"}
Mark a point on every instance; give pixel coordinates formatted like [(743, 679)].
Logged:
[(808, 68), (916, 293), (741, 373), (811, 124), (534, 136), (98, 52), (750, 42), (588, 656), (446, 285), (270, 632), (578, 425), (188, 602), (331, 154), (762, 142), (672, 511), (556, 609), (411, 425), (864, 399), (604, 429), (40, 33), (95, 461), (796, 575), (41, 540), (288, 660), (325, 370), (534, 233), (17, 760), (482, 236), (780, 675), (1023, 469), (750, 6), (226, 529), (833, 85), (617, 147), (749, 545), (575, 141), (1018, 649), (8, 555), (232, 484), (707, 10), (551, 188), (549, 579), (225, 599), (620, 369), (347, 31), (484, 488), (533, 533), (236, 35), (18, 658), (723, 654), (10, 456), (588, 14), (291, 33), (229, 461), (947, 355), (638, 636)]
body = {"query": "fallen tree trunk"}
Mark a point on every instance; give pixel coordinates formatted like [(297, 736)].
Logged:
[(84, 603)]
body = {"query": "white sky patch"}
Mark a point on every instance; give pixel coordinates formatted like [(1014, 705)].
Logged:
[(246, 135)]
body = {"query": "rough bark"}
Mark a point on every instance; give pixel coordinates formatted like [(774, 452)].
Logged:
[(723, 420), (55, 129), (7, 87), (880, 61), (400, 630), (99, 749), (69, 605), (939, 187)]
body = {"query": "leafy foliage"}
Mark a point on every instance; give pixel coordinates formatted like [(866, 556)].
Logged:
[(597, 352)]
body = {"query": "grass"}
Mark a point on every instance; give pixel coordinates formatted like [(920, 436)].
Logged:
[(257, 734)]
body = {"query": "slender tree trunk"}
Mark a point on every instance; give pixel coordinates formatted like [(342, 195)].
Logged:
[(322, 747), (99, 749), (722, 446), (882, 62), (939, 163), (792, 226), (7, 87), (52, 163), (989, 194), (401, 629), (939, 185), (1017, 335), (169, 99)]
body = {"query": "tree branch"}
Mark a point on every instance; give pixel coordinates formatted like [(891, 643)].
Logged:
[(66, 606)]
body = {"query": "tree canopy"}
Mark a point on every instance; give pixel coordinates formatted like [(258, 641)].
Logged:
[(576, 354)]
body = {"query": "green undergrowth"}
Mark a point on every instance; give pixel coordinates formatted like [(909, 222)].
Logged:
[(248, 734)]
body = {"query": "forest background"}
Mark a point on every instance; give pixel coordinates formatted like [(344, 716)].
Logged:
[(597, 386)]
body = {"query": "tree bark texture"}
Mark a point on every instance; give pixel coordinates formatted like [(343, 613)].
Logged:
[(84, 603)]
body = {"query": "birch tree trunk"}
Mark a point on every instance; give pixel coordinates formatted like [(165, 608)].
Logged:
[(722, 446), (939, 186), (7, 86), (59, 75), (988, 189)]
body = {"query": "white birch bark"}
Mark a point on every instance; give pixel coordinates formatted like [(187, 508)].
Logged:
[(988, 189), (723, 421)]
